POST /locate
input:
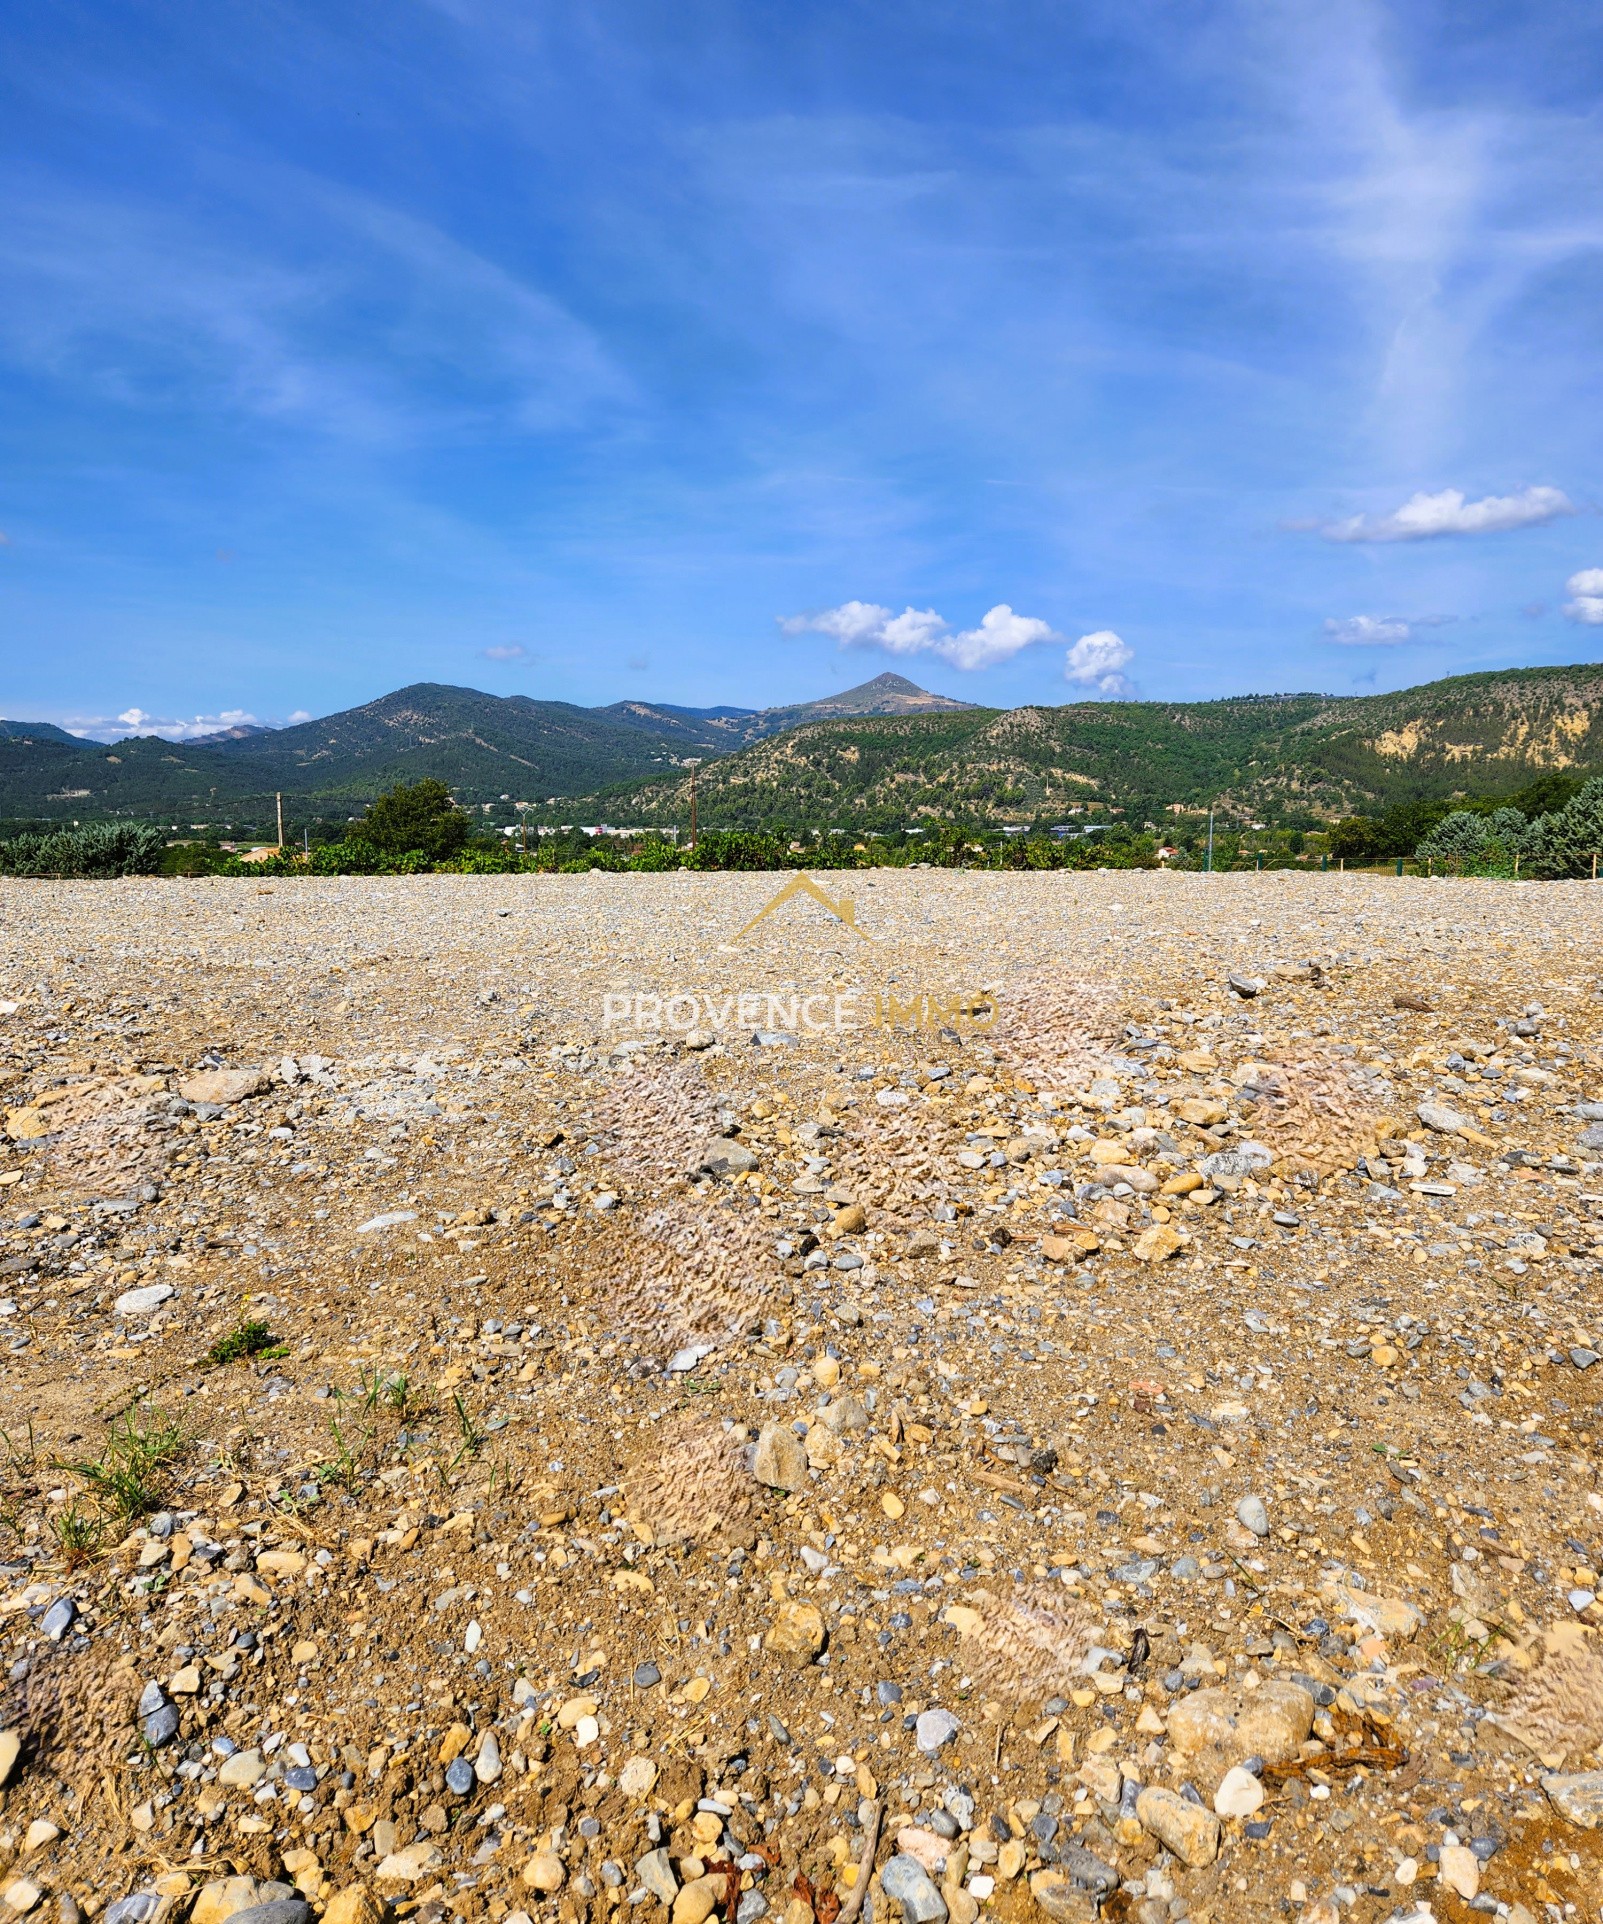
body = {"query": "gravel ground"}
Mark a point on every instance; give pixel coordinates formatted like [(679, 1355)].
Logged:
[(1125, 1447)]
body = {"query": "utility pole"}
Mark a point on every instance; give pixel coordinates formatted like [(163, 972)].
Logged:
[(280, 799), (693, 766), (1210, 840)]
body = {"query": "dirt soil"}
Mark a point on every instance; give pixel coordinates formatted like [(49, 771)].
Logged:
[(1114, 1433)]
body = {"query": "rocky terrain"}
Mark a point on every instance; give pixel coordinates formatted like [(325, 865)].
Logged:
[(1113, 1434)]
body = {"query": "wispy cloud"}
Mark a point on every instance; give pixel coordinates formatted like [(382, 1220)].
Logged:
[(505, 651), (1098, 661), (1000, 635), (1368, 631), (345, 318), (1586, 597), (1425, 517)]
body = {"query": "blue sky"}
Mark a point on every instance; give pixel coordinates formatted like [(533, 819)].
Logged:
[(720, 353)]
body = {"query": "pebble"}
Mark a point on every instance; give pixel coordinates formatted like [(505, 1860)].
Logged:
[(1252, 1515), (144, 1301), (1189, 1830), (935, 1728), (906, 1882), (1239, 1793)]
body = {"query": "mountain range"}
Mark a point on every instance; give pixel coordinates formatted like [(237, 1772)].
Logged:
[(884, 753)]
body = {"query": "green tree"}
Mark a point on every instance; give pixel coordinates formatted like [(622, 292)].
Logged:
[(419, 819), (1565, 842)]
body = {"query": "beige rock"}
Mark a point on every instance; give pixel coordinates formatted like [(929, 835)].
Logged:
[(569, 1713), (1205, 1111), (1460, 1870), (1187, 1829), (544, 1872), (280, 1563), (224, 1085), (408, 1866), (851, 1219), (1239, 1793), (22, 1895), (780, 1461), (1389, 1616), (1158, 1244), (243, 1771), (185, 1682), (826, 1372), (303, 1652), (356, 1904), (931, 1851), (10, 1750), (1222, 1727), (796, 1635), (224, 1896), (697, 1900), (637, 1778), (1010, 1860), (39, 1833)]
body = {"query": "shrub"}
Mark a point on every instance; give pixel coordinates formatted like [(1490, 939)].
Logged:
[(97, 851)]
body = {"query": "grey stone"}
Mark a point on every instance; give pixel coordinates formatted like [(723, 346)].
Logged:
[(1247, 985), (656, 1874), (1244, 1160), (684, 1360), (136, 1908), (459, 1778), (845, 1413), (1250, 1512), (1583, 1359), (725, 1158), (935, 1728), (161, 1726), (905, 1880), (774, 1039), (1087, 1869), (59, 1618), (752, 1905), (1592, 1138), (1577, 1798), (647, 1676), (888, 1693), (1445, 1121), (281, 1910)]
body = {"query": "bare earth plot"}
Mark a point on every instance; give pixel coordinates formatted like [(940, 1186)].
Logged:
[(1127, 1448)]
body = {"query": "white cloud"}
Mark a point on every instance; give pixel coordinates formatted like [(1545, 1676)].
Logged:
[(508, 651), (921, 631), (1095, 661), (1423, 517), (299, 715), (1368, 631), (140, 721), (1586, 597)]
